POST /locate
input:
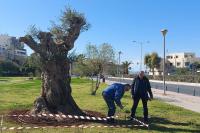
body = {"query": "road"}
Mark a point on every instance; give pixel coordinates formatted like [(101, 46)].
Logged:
[(184, 88)]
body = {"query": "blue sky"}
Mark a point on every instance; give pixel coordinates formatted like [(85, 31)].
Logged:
[(117, 22)]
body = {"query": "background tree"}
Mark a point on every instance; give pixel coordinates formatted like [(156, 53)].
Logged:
[(182, 71), (194, 67), (83, 67), (32, 65), (155, 61), (126, 65), (147, 61), (98, 59), (152, 61), (9, 68), (73, 57), (53, 48), (106, 53)]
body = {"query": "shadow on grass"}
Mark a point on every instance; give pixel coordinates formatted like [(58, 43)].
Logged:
[(163, 125), (3, 80)]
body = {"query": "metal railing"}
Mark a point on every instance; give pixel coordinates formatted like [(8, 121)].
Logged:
[(179, 88)]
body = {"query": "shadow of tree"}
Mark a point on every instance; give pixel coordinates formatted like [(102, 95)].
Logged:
[(157, 120), (161, 125)]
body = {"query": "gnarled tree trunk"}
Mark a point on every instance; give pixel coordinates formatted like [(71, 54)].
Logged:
[(56, 90)]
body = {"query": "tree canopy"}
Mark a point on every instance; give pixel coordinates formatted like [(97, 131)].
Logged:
[(152, 61)]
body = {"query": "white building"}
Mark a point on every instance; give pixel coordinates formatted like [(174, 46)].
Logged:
[(2, 53), (176, 60), (11, 49), (181, 60)]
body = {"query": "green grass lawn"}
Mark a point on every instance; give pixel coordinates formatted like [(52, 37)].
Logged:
[(19, 93)]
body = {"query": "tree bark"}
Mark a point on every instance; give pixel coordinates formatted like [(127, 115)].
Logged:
[(55, 90)]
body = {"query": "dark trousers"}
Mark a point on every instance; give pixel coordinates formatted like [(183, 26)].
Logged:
[(111, 105), (145, 108)]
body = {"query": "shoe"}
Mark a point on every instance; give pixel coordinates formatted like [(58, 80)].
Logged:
[(146, 121), (111, 121)]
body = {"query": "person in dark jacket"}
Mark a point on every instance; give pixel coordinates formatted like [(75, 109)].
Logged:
[(141, 89), (112, 95)]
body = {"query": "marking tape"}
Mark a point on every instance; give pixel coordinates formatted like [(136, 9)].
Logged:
[(73, 126)]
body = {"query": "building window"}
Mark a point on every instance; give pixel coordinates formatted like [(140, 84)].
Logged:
[(176, 56), (171, 64), (178, 64), (187, 63), (168, 57)]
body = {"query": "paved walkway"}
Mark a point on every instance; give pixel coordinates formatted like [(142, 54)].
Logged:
[(186, 101)]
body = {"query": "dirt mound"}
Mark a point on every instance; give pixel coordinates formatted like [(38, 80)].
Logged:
[(22, 116)]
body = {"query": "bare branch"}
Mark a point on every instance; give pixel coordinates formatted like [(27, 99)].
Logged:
[(68, 41), (30, 42), (73, 32)]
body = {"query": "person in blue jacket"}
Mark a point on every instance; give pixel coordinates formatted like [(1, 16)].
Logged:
[(112, 95), (141, 89)]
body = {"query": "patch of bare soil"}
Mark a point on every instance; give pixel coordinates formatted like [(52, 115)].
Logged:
[(48, 120)]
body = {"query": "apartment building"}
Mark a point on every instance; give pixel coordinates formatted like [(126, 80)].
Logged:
[(181, 60), (11, 49), (176, 60)]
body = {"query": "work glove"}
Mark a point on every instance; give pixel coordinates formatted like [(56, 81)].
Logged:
[(150, 98)]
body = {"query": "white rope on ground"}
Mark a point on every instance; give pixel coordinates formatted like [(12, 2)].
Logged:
[(75, 117), (1, 123), (64, 116), (140, 122), (72, 126)]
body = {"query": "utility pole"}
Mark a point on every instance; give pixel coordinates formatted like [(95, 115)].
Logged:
[(164, 32), (119, 59), (141, 52)]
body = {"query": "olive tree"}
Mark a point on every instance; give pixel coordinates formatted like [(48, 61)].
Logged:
[(52, 47)]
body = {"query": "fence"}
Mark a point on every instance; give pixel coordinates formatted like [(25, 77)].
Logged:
[(179, 87), (183, 89)]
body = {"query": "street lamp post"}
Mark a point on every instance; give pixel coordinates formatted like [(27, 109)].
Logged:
[(141, 48), (164, 32), (118, 70), (141, 52)]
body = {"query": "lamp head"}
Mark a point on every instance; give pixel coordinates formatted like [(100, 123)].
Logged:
[(164, 32)]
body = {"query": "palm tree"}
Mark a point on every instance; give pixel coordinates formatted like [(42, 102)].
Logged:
[(147, 61), (155, 61), (126, 65), (152, 61)]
